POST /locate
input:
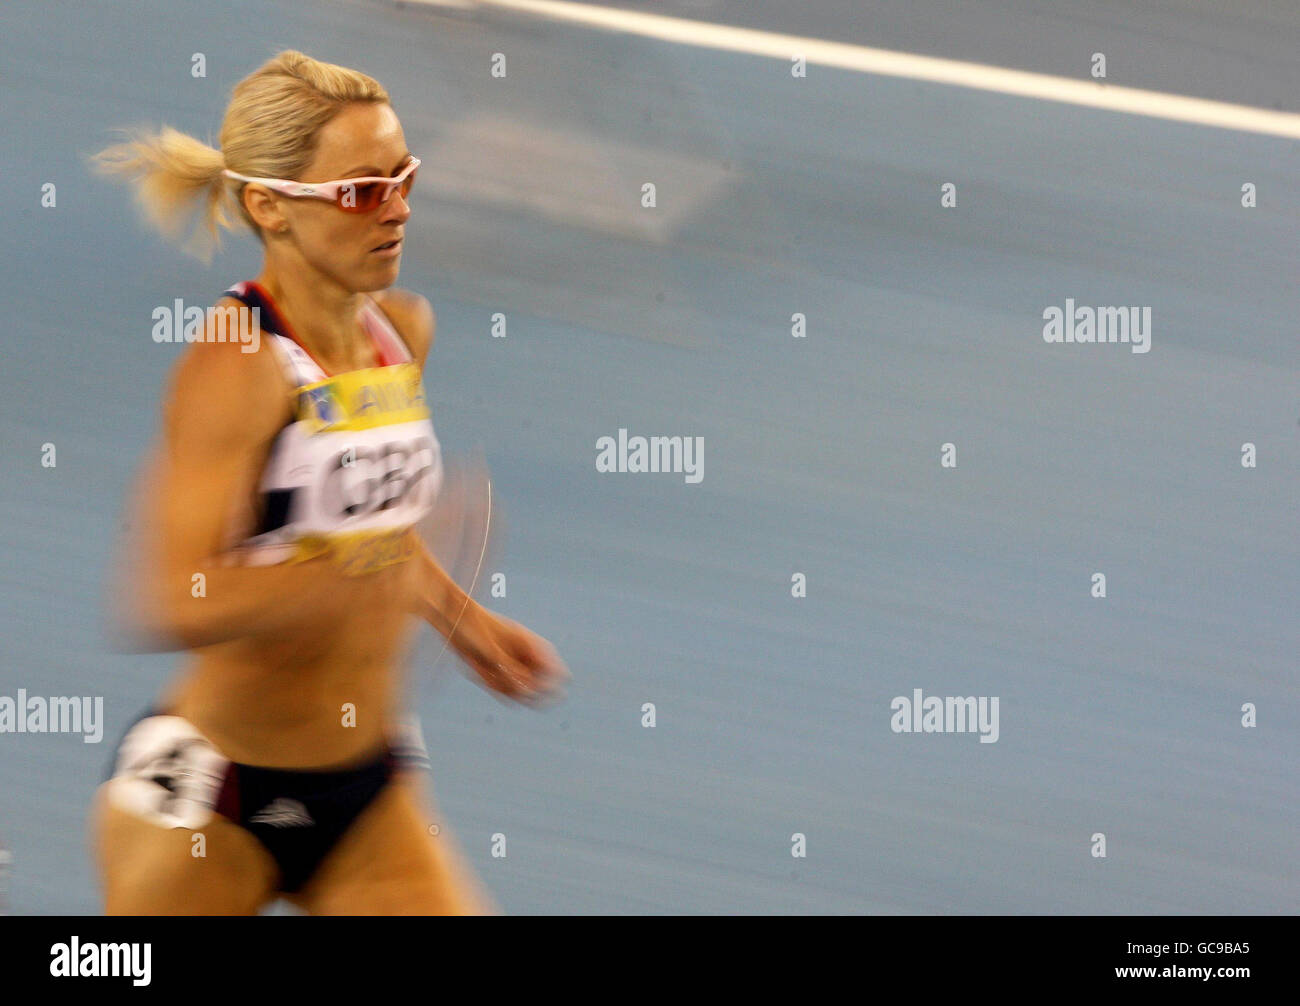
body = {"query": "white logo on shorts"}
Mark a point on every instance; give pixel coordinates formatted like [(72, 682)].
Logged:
[(283, 813)]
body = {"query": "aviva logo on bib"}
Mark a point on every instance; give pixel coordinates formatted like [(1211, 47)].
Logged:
[(364, 399)]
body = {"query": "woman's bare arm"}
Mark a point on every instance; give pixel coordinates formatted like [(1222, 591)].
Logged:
[(222, 411)]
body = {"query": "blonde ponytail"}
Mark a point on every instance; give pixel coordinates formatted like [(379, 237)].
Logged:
[(174, 176), (270, 130)]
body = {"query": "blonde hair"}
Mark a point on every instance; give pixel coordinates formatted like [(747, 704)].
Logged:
[(270, 130)]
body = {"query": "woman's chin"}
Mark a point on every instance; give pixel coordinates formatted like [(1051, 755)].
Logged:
[(378, 276)]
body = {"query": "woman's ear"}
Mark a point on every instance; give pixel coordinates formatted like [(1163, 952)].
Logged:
[(265, 209)]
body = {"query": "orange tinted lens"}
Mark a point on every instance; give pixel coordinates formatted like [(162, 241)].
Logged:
[(365, 197), (410, 180)]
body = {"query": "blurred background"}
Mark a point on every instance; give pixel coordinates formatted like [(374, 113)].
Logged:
[(776, 195)]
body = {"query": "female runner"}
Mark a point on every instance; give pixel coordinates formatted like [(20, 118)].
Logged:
[(281, 544)]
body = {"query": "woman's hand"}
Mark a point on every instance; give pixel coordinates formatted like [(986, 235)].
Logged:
[(508, 658)]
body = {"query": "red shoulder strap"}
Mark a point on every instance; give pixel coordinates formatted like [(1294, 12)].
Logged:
[(388, 341)]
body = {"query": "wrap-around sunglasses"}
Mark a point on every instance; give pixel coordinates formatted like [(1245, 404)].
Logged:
[(351, 195)]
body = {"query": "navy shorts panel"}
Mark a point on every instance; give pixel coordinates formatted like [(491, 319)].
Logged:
[(300, 816)]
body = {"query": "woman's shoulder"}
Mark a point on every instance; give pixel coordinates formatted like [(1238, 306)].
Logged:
[(230, 375), (412, 316)]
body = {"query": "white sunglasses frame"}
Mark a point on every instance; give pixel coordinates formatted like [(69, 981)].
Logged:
[(327, 191)]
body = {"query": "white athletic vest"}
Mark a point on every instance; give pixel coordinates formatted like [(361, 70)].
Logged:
[(357, 466)]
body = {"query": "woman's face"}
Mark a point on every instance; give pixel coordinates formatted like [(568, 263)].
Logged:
[(364, 139)]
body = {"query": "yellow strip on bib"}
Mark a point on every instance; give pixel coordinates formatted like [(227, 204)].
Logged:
[(363, 399), (359, 552)]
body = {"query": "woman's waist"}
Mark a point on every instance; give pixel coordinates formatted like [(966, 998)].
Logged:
[(310, 744), (274, 717)]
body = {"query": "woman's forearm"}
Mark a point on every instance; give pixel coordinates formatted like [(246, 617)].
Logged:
[(438, 598)]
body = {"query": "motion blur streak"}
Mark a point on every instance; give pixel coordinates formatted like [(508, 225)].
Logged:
[(864, 59)]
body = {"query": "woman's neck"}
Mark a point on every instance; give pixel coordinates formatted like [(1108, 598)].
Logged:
[(323, 316)]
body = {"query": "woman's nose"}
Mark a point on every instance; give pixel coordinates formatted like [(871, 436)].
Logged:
[(396, 208)]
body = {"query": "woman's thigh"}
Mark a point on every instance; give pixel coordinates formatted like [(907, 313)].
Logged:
[(390, 863), (149, 869)]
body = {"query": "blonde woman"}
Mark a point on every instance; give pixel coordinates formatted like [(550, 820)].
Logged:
[(288, 484)]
